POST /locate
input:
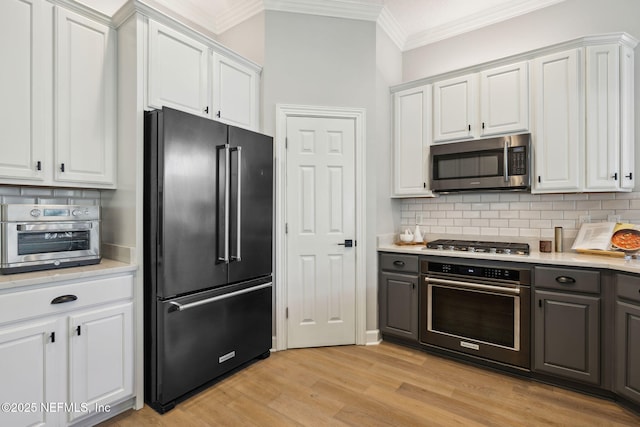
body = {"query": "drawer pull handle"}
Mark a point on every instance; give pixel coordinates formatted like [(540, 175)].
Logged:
[(64, 298), (565, 280), (399, 263)]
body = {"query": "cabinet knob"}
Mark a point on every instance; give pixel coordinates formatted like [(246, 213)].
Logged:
[(630, 176), (206, 110), (61, 167), (615, 176), (218, 114), (38, 165)]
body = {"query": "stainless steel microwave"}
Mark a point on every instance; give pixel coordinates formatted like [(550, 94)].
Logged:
[(39, 237), (502, 163)]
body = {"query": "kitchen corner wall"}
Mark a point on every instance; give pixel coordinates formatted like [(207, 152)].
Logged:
[(522, 215)]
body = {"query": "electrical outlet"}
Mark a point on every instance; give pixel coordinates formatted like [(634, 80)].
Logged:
[(613, 218), (419, 218), (584, 218)]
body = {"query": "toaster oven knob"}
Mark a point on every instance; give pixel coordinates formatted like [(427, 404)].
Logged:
[(76, 212), (35, 213)]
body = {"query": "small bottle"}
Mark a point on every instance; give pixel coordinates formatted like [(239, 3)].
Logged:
[(558, 239)]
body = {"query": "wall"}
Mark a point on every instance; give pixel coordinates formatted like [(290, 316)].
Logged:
[(324, 61), (522, 216), (246, 38)]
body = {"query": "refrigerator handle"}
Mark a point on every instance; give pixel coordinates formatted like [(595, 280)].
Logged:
[(227, 173), (237, 256)]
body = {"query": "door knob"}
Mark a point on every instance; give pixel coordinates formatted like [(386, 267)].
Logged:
[(347, 243)]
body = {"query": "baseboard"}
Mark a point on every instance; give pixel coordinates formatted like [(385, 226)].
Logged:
[(372, 337)]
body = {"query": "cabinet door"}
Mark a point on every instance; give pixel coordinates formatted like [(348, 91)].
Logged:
[(559, 120), (454, 108), (30, 373), (235, 93), (85, 100), (399, 305), (567, 336), (504, 99), (603, 114), (22, 40), (101, 357), (627, 121), (628, 350), (178, 71), (410, 142)]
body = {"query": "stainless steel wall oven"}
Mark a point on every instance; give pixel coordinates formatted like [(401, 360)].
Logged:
[(39, 237), (477, 307)]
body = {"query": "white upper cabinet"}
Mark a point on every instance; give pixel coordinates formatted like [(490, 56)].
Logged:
[(235, 92), (201, 77), (603, 118), (411, 142), (454, 108), (559, 120), (504, 99), (492, 102), (23, 35), (584, 129), (85, 95), (178, 71), (60, 97)]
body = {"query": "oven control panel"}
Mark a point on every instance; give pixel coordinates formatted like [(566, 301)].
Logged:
[(475, 271)]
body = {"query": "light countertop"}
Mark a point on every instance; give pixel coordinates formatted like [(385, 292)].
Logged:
[(568, 258), (105, 267)]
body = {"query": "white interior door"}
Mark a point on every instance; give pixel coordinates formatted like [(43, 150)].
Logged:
[(321, 219)]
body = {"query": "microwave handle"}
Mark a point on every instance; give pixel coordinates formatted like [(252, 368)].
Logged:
[(505, 160)]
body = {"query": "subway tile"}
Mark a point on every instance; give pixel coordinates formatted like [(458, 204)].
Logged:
[(462, 206), (445, 222), (499, 206), (462, 222), (541, 206), (9, 191), (437, 229), (540, 223), (634, 204), (489, 214), (564, 206), (446, 207), (19, 200), (615, 204), (36, 192), (602, 196), (439, 214), (471, 214), (551, 215), (454, 230), (519, 206), (587, 205), (509, 214), (518, 223), (493, 197), (481, 206), (52, 201), (528, 214), (480, 222), (513, 232), (499, 223), (471, 198), (577, 196), (528, 197), (509, 197), (415, 207), (489, 231), (551, 197), (529, 232), (471, 231)]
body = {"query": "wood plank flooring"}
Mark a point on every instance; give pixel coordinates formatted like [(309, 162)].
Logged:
[(382, 385)]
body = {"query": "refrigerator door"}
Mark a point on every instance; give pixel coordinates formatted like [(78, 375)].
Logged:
[(206, 335), (251, 204), (185, 216)]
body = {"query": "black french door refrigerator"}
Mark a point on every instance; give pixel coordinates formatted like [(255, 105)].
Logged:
[(208, 214)]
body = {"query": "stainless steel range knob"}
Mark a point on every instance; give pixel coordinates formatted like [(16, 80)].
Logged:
[(507, 251), (440, 247), (35, 213)]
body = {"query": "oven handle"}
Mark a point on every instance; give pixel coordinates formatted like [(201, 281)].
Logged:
[(54, 227), (183, 307), (500, 289), (505, 160)]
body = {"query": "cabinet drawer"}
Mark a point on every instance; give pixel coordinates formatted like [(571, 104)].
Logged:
[(569, 279), (628, 287), (39, 302), (398, 262)]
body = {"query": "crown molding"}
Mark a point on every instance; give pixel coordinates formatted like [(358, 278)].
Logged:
[(480, 20), (349, 9), (236, 14), (394, 30)]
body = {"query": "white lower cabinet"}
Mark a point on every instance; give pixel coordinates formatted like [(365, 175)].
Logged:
[(30, 372), (66, 351), (100, 357)]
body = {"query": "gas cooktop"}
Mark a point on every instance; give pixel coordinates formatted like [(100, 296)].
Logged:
[(506, 248)]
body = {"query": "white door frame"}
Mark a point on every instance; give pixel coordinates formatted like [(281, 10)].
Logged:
[(284, 111)]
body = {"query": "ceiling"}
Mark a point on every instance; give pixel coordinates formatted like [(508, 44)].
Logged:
[(410, 23)]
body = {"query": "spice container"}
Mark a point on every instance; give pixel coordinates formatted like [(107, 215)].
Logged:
[(558, 239)]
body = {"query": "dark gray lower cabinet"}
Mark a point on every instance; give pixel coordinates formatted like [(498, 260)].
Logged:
[(567, 325), (627, 331), (398, 295)]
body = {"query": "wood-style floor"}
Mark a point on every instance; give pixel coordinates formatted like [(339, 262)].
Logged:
[(383, 385)]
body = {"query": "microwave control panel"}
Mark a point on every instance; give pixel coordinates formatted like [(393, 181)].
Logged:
[(517, 161)]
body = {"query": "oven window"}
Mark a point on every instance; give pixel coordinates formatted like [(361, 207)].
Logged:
[(51, 241), (474, 315), (473, 165)]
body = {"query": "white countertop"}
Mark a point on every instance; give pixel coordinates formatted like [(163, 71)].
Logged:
[(105, 267), (569, 258)]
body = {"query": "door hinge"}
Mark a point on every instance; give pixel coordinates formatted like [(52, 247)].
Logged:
[(286, 312)]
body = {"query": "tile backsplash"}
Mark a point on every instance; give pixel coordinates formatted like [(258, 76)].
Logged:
[(522, 215), (46, 195)]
